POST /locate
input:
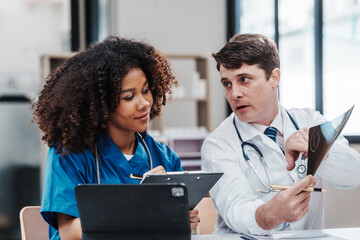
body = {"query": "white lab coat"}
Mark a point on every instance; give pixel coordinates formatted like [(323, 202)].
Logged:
[(235, 195)]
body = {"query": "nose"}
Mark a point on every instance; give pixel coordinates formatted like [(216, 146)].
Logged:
[(237, 92), (143, 103)]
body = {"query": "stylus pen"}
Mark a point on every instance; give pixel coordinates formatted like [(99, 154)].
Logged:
[(136, 176), (284, 187)]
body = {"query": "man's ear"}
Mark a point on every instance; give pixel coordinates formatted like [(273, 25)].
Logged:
[(275, 77)]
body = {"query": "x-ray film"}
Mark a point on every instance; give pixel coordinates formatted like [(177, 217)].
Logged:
[(321, 138)]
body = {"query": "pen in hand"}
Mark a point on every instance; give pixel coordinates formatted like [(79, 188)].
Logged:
[(278, 188), (136, 176)]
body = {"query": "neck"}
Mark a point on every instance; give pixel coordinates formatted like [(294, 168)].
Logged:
[(125, 141), (270, 115)]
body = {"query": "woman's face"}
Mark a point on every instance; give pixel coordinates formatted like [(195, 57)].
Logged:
[(133, 112)]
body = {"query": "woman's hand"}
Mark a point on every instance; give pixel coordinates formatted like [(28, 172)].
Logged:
[(158, 170), (194, 219)]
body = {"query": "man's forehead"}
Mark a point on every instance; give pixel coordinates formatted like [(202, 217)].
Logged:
[(244, 69)]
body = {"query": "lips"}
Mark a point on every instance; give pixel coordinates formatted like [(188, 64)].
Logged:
[(241, 107), (144, 116)]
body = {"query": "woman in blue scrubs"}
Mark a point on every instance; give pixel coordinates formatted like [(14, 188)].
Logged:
[(94, 104)]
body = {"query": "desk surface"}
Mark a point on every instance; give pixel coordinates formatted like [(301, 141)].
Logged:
[(335, 233)]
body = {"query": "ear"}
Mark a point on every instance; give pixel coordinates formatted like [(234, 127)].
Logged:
[(275, 77)]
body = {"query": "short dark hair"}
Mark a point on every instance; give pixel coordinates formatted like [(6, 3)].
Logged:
[(249, 49), (79, 95)]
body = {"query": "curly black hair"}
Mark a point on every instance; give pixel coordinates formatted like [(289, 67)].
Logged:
[(78, 95)]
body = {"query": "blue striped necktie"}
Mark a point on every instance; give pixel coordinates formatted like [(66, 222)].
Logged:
[(271, 133)]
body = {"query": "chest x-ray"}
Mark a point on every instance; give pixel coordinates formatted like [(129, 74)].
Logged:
[(321, 138)]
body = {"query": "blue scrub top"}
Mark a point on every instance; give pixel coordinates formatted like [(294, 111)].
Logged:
[(63, 174)]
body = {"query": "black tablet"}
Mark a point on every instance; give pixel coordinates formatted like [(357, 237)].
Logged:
[(198, 183), (132, 208)]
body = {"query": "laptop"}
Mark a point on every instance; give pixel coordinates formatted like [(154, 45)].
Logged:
[(133, 211)]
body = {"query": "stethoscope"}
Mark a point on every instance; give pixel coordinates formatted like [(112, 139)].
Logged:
[(301, 169), (142, 142)]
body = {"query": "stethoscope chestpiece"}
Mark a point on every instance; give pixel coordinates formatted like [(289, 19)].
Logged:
[(301, 169)]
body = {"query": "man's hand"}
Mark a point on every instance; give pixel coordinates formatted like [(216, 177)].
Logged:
[(297, 143), (194, 219), (289, 205)]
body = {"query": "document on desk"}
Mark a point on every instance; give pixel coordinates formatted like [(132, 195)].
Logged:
[(321, 138), (294, 235)]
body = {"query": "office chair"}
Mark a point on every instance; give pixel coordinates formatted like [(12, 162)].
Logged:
[(32, 225), (207, 214)]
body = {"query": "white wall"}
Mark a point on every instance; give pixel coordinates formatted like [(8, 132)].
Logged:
[(29, 29), (182, 27)]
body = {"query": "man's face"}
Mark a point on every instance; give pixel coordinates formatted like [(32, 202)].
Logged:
[(252, 97)]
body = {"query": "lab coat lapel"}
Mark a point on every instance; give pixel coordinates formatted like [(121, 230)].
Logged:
[(288, 126), (246, 130)]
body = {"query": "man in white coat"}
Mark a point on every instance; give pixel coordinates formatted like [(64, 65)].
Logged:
[(249, 69)]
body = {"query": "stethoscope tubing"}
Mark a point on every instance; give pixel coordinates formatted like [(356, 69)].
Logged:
[(301, 168)]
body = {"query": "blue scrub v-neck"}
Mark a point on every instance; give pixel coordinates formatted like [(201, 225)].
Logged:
[(112, 160)]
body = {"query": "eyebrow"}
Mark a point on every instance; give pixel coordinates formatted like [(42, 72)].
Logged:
[(132, 89), (238, 76)]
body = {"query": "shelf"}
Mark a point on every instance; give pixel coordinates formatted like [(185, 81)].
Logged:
[(190, 103)]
